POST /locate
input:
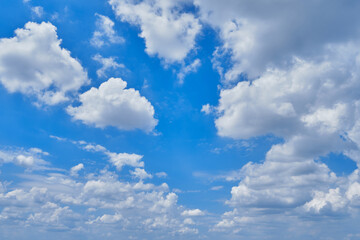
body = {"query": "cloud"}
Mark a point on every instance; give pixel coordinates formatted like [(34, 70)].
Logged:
[(216, 188), (298, 83), (113, 105), (106, 218), (30, 158), (192, 213), (105, 33), (263, 34), (125, 159), (51, 201), (280, 182), (353, 193), (207, 109), (185, 70), (38, 11), (168, 29), (140, 173), (34, 64), (75, 169), (107, 64), (322, 200), (316, 96), (313, 108), (119, 160), (161, 174), (326, 206)]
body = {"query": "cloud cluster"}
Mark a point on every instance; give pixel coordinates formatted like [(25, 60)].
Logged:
[(300, 82), (314, 107), (169, 31), (56, 201), (28, 158), (118, 160), (309, 95), (113, 105), (34, 64), (299, 72)]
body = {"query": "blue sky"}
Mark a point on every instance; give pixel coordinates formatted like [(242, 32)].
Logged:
[(186, 119)]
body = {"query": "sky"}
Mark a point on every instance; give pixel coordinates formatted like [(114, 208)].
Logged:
[(183, 119)]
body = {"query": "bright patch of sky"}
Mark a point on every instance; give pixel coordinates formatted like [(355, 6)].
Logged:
[(185, 119)]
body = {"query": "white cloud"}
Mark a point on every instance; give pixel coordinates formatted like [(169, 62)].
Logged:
[(187, 230), (265, 34), (165, 203), (305, 97), (49, 201), (34, 64), (313, 108), (185, 70), (108, 219), (105, 32), (31, 158), (280, 183), (107, 64), (161, 174), (354, 191), (53, 216), (310, 96), (54, 201), (125, 159), (192, 213), (321, 201), (119, 160), (188, 221), (140, 173), (113, 105), (91, 147), (169, 31), (75, 169), (207, 109), (216, 188), (38, 11)]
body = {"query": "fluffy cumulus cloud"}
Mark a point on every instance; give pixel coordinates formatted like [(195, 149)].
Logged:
[(125, 159), (280, 185), (313, 106), (169, 31), (55, 201), (300, 83), (265, 34), (113, 105), (33, 63), (318, 95)]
